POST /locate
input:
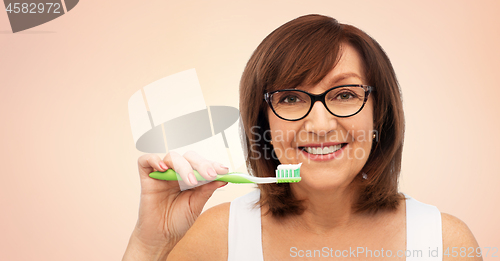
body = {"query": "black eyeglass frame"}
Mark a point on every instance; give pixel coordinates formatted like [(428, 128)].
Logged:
[(320, 97)]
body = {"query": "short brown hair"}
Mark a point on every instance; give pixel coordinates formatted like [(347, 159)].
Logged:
[(304, 51)]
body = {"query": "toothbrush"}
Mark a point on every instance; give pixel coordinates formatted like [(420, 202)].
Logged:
[(286, 173)]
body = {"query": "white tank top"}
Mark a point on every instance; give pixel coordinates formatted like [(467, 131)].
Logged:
[(423, 230)]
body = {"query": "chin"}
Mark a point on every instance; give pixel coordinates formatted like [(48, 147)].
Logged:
[(324, 181)]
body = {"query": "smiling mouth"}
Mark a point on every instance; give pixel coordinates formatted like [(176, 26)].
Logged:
[(323, 150)]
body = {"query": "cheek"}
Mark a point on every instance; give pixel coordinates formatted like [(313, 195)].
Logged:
[(362, 124), (360, 127), (283, 134), (362, 133), (363, 144)]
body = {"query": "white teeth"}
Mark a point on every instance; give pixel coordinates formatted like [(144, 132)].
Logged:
[(324, 150)]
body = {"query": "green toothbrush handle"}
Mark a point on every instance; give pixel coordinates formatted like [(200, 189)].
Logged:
[(170, 174), (233, 178)]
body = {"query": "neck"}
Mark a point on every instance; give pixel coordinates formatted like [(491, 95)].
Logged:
[(326, 210)]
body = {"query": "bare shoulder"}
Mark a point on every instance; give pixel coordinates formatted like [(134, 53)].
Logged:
[(456, 235), (207, 238)]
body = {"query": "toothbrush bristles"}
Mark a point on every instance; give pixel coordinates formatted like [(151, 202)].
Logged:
[(288, 175)]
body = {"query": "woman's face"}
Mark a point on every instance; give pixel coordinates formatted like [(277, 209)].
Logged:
[(297, 141)]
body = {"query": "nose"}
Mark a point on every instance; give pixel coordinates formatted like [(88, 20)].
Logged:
[(319, 120)]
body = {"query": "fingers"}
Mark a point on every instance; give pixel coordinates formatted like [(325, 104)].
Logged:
[(207, 169), (182, 167), (150, 162), (220, 168)]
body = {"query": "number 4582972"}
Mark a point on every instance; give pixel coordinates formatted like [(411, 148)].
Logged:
[(32, 8)]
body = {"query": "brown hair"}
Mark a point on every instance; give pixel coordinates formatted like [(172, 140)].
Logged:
[(303, 51)]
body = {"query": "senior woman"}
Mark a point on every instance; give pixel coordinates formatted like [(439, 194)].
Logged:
[(323, 94)]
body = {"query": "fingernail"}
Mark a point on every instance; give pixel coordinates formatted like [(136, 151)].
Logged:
[(224, 167), (223, 185), (192, 179), (212, 172), (163, 165)]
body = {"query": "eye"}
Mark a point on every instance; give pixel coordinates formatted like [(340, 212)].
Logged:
[(346, 96), (290, 99)]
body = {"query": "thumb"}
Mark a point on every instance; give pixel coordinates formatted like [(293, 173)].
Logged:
[(203, 193)]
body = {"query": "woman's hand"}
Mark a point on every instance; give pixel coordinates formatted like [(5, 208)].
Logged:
[(166, 212)]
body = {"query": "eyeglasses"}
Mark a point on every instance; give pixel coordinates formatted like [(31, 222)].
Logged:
[(341, 101)]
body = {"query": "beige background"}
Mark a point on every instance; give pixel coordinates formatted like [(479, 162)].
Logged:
[(70, 188)]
